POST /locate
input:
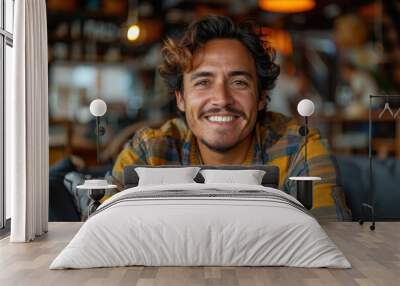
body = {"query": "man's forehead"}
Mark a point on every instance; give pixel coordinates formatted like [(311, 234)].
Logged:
[(222, 54)]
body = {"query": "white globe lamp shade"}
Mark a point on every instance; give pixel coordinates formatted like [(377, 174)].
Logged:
[(305, 107), (98, 107)]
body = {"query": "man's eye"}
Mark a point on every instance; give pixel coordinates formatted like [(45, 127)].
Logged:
[(202, 83), (240, 83)]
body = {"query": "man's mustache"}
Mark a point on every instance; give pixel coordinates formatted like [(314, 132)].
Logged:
[(216, 111)]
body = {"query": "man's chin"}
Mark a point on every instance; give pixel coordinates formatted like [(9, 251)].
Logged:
[(218, 147)]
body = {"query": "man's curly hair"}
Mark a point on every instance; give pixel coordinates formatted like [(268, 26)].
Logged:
[(177, 55)]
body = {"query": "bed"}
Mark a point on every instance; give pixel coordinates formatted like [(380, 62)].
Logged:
[(201, 224)]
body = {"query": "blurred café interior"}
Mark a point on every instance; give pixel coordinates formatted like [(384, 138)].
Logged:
[(334, 52)]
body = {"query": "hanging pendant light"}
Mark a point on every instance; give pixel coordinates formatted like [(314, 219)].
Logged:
[(133, 30), (286, 6)]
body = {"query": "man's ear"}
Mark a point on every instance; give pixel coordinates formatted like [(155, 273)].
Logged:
[(180, 102), (262, 101)]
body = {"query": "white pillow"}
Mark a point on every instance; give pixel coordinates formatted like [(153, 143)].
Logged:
[(248, 177), (164, 176)]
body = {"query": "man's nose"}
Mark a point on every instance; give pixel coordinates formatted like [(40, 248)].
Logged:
[(222, 95)]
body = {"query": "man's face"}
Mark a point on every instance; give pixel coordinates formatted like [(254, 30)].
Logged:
[(220, 94)]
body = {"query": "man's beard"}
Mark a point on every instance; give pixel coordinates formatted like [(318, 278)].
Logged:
[(220, 149)]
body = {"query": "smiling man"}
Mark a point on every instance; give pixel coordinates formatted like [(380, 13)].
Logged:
[(220, 74), (220, 100)]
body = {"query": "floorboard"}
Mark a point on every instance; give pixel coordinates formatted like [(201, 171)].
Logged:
[(374, 255)]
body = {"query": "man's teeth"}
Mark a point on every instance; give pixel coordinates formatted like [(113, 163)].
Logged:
[(221, 118)]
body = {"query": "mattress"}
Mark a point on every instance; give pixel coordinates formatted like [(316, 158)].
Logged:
[(201, 225)]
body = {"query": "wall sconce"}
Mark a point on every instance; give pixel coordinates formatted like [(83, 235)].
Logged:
[(304, 192), (96, 187), (305, 108)]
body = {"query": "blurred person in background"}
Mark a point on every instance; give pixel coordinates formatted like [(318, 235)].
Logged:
[(362, 86), (292, 85), (286, 89)]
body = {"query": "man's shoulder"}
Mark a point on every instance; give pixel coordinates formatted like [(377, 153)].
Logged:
[(280, 131), (280, 124), (173, 129), (153, 146)]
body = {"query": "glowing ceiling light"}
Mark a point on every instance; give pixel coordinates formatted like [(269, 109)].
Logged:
[(133, 32), (287, 6)]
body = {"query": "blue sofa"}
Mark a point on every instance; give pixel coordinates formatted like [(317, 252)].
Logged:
[(354, 178), (67, 205)]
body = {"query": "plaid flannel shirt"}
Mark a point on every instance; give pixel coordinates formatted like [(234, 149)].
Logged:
[(276, 141)]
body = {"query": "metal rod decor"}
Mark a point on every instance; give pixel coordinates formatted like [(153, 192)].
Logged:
[(370, 204)]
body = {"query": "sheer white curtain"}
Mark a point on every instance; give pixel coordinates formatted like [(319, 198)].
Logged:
[(27, 123)]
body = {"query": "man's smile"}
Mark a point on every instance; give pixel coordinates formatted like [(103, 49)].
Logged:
[(220, 118), (223, 119)]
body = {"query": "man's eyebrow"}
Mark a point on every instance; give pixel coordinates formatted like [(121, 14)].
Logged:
[(241, 73), (200, 74)]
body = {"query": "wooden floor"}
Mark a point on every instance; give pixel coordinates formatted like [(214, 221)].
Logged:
[(375, 256)]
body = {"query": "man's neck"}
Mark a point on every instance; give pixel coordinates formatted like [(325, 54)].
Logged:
[(235, 156)]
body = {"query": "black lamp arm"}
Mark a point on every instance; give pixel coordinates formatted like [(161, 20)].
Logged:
[(303, 131), (305, 138), (100, 131)]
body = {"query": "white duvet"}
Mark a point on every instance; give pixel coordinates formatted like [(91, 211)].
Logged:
[(207, 230)]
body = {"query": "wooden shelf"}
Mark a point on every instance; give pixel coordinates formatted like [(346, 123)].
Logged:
[(381, 146), (85, 14), (340, 117)]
